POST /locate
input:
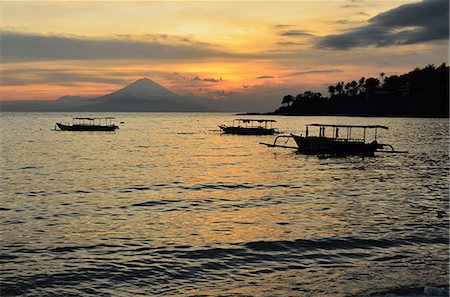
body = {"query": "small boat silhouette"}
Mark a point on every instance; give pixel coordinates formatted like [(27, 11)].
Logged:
[(89, 124), (335, 144), (250, 127)]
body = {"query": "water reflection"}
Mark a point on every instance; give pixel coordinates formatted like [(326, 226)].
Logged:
[(164, 206)]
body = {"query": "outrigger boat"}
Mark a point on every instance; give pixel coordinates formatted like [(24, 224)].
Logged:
[(335, 144), (250, 127), (89, 124)]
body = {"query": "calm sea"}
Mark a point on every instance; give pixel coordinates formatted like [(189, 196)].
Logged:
[(168, 206)]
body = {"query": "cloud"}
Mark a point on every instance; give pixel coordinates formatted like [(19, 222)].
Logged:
[(22, 77), (407, 24), (265, 77), (311, 72), (350, 5), (281, 26), (295, 33), (289, 43), (219, 93), (347, 22), (18, 46), (215, 80), (353, 4), (163, 38), (342, 22)]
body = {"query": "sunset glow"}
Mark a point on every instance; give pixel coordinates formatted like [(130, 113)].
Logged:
[(209, 49)]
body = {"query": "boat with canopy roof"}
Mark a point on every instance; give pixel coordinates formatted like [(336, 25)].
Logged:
[(250, 127), (337, 140), (89, 124)]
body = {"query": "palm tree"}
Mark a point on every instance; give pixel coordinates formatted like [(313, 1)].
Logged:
[(362, 81), (331, 90), (347, 88), (371, 85), (354, 88), (308, 94), (382, 77), (340, 88), (288, 99)]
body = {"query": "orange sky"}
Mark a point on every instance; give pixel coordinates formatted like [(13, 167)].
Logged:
[(214, 49)]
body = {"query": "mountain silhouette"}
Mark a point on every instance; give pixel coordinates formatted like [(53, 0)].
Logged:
[(142, 95), (142, 89)]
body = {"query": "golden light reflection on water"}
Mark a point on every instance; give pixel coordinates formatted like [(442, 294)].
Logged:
[(167, 183)]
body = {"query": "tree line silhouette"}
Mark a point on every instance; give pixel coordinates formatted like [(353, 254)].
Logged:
[(420, 92)]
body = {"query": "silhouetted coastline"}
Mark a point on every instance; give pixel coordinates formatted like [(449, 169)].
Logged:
[(422, 92)]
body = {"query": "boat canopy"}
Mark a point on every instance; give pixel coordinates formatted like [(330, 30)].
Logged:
[(93, 119), (106, 121), (350, 126), (254, 120)]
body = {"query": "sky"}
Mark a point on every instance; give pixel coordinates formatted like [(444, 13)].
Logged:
[(222, 50)]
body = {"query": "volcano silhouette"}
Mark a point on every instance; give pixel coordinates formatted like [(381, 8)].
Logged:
[(142, 95)]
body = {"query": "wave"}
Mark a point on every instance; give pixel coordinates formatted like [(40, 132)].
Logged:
[(410, 292), (144, 266), (161, 186)]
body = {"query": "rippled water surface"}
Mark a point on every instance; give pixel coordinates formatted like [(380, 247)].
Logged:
[(169, 206)]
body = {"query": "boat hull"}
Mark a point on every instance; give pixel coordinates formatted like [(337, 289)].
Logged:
[(330, 146), (64, 127), (247, 130)]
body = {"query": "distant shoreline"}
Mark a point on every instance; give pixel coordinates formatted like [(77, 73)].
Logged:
[(420, 93), (344, 115), (239, 114)]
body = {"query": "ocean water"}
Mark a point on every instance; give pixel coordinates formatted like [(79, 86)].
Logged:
[(168, 206)]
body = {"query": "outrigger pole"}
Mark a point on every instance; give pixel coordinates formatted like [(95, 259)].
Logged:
[(283, 146)]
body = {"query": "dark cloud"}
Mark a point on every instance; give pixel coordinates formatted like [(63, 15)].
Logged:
[(350, 6), (289, 43), (281, 26), (214, 80), (220, 93), (265, 77), (16, 46), (20, 77), (311, 72), (163, 38), (347, 22), (295, 33), (342, 22), (407, 24)]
